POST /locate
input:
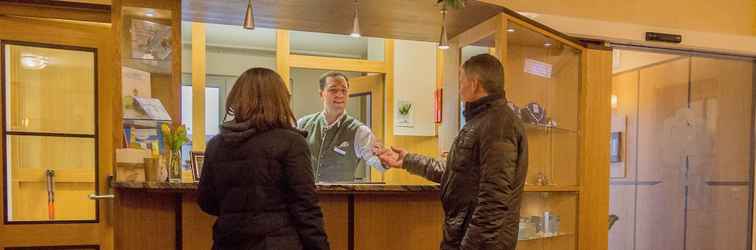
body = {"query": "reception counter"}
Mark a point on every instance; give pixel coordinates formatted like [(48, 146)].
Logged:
[(155, 215)]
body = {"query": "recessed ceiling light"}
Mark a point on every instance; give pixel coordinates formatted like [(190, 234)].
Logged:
[(510, 30), (547, 44)]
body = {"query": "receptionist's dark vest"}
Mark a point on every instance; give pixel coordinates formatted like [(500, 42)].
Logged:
[(333, 156)]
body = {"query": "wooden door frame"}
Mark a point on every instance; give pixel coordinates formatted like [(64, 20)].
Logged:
[(86, 35), (372, 84)]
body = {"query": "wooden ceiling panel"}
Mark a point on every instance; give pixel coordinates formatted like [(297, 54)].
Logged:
[(399, 19)]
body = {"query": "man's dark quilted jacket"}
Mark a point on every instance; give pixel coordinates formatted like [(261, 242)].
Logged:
[(482, 179)]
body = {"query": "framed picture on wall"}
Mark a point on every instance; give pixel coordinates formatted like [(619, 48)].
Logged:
[(197, 159)]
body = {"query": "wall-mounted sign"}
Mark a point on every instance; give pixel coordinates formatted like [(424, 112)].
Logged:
[(538, 68)]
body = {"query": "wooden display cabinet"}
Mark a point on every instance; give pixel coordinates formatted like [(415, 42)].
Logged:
[(557, 87)]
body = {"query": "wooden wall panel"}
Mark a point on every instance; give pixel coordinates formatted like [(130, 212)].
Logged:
[(283, 46), (163, 89), (196, 226), (424, 145), (145, 220), (199, 71), (594, 149), (89, 12), (336, 214), (403, 221)]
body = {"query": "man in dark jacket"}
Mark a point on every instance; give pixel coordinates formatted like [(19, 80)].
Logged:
[(483, 177)]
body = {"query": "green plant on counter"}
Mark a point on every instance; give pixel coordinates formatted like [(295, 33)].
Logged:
[(452, 4), (405, 108)]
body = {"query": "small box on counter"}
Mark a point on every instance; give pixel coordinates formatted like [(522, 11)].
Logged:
[(130, 165)]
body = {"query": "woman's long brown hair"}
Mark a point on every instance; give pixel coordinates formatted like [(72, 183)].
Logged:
[(260, 97)]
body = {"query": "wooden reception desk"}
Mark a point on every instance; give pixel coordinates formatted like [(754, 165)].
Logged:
[(357, 216)]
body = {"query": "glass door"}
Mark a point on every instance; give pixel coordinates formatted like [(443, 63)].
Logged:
[(682, 178), (719, 162), (56, 135), (49, 133)]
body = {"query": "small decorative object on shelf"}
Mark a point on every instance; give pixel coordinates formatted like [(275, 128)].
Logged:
[(173, 140), (541, 179), (550, 224), (527, 229), (534, 113), (537, 227)]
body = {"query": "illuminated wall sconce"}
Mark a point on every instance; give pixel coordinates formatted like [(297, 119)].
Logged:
[(614, 102)]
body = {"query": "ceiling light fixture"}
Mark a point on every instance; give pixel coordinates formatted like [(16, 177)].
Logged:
[(356, 20), (511, 30), (547, 44), (443, 41), (249, 18)]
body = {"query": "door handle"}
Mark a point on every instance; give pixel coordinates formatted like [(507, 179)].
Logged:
[(101, 197), (105, 196)]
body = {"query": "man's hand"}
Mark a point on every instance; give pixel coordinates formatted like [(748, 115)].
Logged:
[(393, 157)]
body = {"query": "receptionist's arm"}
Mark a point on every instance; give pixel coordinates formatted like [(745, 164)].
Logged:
[(363, 148)]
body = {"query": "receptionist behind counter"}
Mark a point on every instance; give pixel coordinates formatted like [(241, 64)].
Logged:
[(341, 146)]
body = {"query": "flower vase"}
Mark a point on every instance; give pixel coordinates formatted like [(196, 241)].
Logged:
[(174, 166)]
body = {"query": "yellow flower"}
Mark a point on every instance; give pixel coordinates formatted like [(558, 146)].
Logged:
[(181, 131), (165, 128)]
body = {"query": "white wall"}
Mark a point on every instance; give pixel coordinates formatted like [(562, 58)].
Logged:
[(470, 51), (414, 82), (375, 49), (450, 120), (228, 62)]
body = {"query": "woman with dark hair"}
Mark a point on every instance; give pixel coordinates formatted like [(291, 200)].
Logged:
[(257, 176)]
